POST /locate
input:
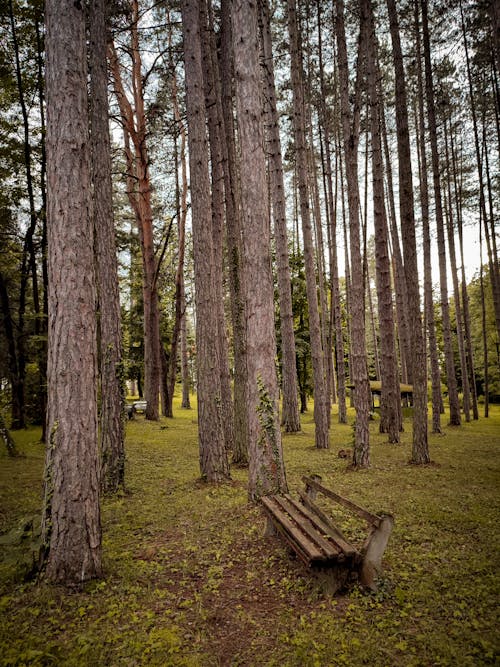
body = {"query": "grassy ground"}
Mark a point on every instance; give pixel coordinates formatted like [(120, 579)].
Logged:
[(191, 579)]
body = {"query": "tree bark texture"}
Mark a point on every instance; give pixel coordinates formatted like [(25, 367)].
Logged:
[(321, 400), (215, 133), (111, 432), (445, 308), (180, 288), (266, 469), (398, 266), (181, 191), (71, 529), (465, 297), (420, 445), (290, 418), (454, 273), (426, 240), (233, 236), (350, 132), (16, 376), (331, 198), (390, 413), (214, 464)]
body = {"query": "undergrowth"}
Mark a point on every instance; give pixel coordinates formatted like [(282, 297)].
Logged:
[(191, 580)]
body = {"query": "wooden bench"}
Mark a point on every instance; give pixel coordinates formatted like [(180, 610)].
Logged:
[(135, 407), (319, 543)]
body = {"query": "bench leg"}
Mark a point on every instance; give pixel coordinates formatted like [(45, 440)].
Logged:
[(334, 578), (270, 530), (375, 547)]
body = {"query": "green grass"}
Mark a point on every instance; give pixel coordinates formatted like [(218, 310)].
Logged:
[(191, 580)]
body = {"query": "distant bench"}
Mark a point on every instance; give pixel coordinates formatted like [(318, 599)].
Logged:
[(136, 406), (319, 543)]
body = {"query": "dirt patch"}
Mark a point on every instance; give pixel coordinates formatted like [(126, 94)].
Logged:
[(236, 591)]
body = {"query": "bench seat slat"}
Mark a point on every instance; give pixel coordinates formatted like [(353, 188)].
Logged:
[(306, 525), (318, 518), (306, 548)]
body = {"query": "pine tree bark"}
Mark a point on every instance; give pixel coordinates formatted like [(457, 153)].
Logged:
[(350, 132), (179, 276), (398, 266), (483, 320), (111, 432), (213, 457), (426, 240), (454, 275), (319, 252), (266, 468), (16, 377), (390, 399), (181, 190), (8, 440), (212, 92), (233, 235), (290, 418), (71, 530), (420, 444), (465, 297), (445, 309), (321, 402), (335, 312)]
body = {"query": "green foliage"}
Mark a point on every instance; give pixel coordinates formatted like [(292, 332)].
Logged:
[(191, 580)]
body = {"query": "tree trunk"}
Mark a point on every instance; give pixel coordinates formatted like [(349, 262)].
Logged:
[(465, 297), (179, 277), (212, 90), (347, 269), (111, 433), (234, 242), (336, 310), (266, 469), (321, 402), (16, 380), (445, 310), (290, 412), (181, 189), (483, 320), (424, 205), (398, 267), (319, 251), (8, 440), (71, 531), (454, 275), (139, 193), (350, 131), (420, 445), (28, 261), (331, 198), (213, 458), (390, 399)]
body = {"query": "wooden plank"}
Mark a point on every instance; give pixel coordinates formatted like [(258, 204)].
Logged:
[(360, 511), (309, 549), (329, 550), (318, 516)]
